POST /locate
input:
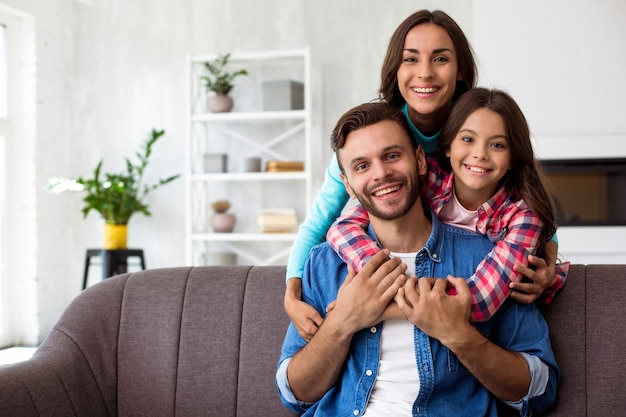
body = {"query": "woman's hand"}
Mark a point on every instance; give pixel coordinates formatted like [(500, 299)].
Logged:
[(304, 317)]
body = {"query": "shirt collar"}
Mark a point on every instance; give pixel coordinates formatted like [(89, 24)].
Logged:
[(434, 244)]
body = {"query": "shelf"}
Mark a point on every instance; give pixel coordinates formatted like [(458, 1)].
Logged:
[(244, 237), (249, 116), (251, 176), (249, 131)]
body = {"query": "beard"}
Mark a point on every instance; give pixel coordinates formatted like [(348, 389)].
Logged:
[(391, 210)]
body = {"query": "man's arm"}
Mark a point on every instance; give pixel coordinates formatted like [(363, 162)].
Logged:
[(361, 299), (446, 318)]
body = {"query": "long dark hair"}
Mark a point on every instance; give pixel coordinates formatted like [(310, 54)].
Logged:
[(389, 90), (526, 175)]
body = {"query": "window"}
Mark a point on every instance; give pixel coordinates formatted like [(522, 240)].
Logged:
[(4, 100)]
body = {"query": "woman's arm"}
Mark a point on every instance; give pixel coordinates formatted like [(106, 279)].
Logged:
[(327, 206)]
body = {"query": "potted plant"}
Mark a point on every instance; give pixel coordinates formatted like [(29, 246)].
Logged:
[(117, 196), (220, 82), (221, 221)]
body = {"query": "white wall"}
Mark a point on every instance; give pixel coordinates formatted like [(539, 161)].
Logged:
[(111, 70)]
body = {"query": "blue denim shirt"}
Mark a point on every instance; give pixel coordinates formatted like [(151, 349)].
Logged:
[(446, 387)]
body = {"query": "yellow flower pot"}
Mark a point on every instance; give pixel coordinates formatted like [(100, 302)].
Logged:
[(115, 236)]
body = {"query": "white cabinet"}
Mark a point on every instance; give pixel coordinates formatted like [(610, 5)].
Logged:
[(225, 142)]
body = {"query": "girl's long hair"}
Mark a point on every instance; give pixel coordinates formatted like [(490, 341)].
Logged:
[(526, 175), (389, 91)]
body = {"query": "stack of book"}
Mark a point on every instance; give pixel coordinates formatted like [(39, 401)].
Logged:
[(284, 166), (277, 220)]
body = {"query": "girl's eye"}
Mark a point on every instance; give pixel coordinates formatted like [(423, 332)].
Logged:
[(466, 139), (498, 145), (441, 59), (409, 59)]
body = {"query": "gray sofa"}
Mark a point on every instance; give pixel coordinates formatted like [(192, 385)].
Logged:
[(204, 342)]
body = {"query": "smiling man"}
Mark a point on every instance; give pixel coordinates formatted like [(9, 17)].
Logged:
[(441, 365)]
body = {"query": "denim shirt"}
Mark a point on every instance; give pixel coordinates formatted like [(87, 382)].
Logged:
[(446, 387)]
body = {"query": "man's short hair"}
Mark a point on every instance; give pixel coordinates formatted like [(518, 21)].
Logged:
[(365, 115)]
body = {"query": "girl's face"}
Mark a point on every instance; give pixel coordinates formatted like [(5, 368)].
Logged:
[(428, 74), (480, 157)]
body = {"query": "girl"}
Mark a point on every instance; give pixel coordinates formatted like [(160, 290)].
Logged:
[(486, 179), (428, 64)]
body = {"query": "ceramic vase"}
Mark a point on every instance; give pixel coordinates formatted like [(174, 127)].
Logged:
[(223, 222), (220, 103), (115, 236)]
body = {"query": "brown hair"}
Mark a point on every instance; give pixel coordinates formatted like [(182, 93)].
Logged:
[(525, 176), (366, 115), (389, 90)]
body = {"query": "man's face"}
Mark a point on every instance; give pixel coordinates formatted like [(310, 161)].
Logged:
[(382, 170)]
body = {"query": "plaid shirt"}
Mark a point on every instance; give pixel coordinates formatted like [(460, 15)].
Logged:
[(505, 219)]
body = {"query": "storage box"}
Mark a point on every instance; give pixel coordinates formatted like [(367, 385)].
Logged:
[(284, 166), (283, 95), (214, 162)]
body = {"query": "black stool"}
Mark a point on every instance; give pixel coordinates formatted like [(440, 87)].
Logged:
[(114, 262)]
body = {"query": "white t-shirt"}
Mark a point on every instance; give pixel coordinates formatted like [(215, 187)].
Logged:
[(397, 383)]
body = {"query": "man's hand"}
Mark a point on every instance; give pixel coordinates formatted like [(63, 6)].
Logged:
[(304, 317), (363, 297), (542, 277), (426, 304), (360, 301)]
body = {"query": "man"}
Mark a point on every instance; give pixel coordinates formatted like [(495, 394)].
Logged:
[(443, 366)]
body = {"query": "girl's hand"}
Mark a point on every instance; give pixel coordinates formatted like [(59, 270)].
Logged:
[(304, 317), (542, 277)]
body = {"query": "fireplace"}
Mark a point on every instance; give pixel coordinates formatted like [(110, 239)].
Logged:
[(588, 192)]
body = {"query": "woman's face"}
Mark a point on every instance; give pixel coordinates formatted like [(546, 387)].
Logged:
[(428, 74)]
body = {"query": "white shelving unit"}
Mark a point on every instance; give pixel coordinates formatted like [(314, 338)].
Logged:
[(247, 131)]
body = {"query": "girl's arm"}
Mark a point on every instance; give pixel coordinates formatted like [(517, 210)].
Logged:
[(327, 206), (348, 237), (548, 276), (490, 284)]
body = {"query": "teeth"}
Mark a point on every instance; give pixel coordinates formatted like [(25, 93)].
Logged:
[(425, 90), (386, 191), (476, 169)]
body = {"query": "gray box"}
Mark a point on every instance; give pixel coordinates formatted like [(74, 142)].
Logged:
[(283, 95), (214, 162)]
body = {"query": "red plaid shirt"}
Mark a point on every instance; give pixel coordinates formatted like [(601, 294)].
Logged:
[(505, 219)]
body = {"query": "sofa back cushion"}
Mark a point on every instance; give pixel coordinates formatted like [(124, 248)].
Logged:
[(207, 340)]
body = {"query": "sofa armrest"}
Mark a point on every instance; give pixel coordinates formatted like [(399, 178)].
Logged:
[(56, 382)]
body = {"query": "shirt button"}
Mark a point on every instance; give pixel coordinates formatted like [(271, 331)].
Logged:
[(435, 255), (373, 329), (368, 372), (355, 412)]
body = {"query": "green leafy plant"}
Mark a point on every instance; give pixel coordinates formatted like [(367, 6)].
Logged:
[(116, 197), (219, 80)]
